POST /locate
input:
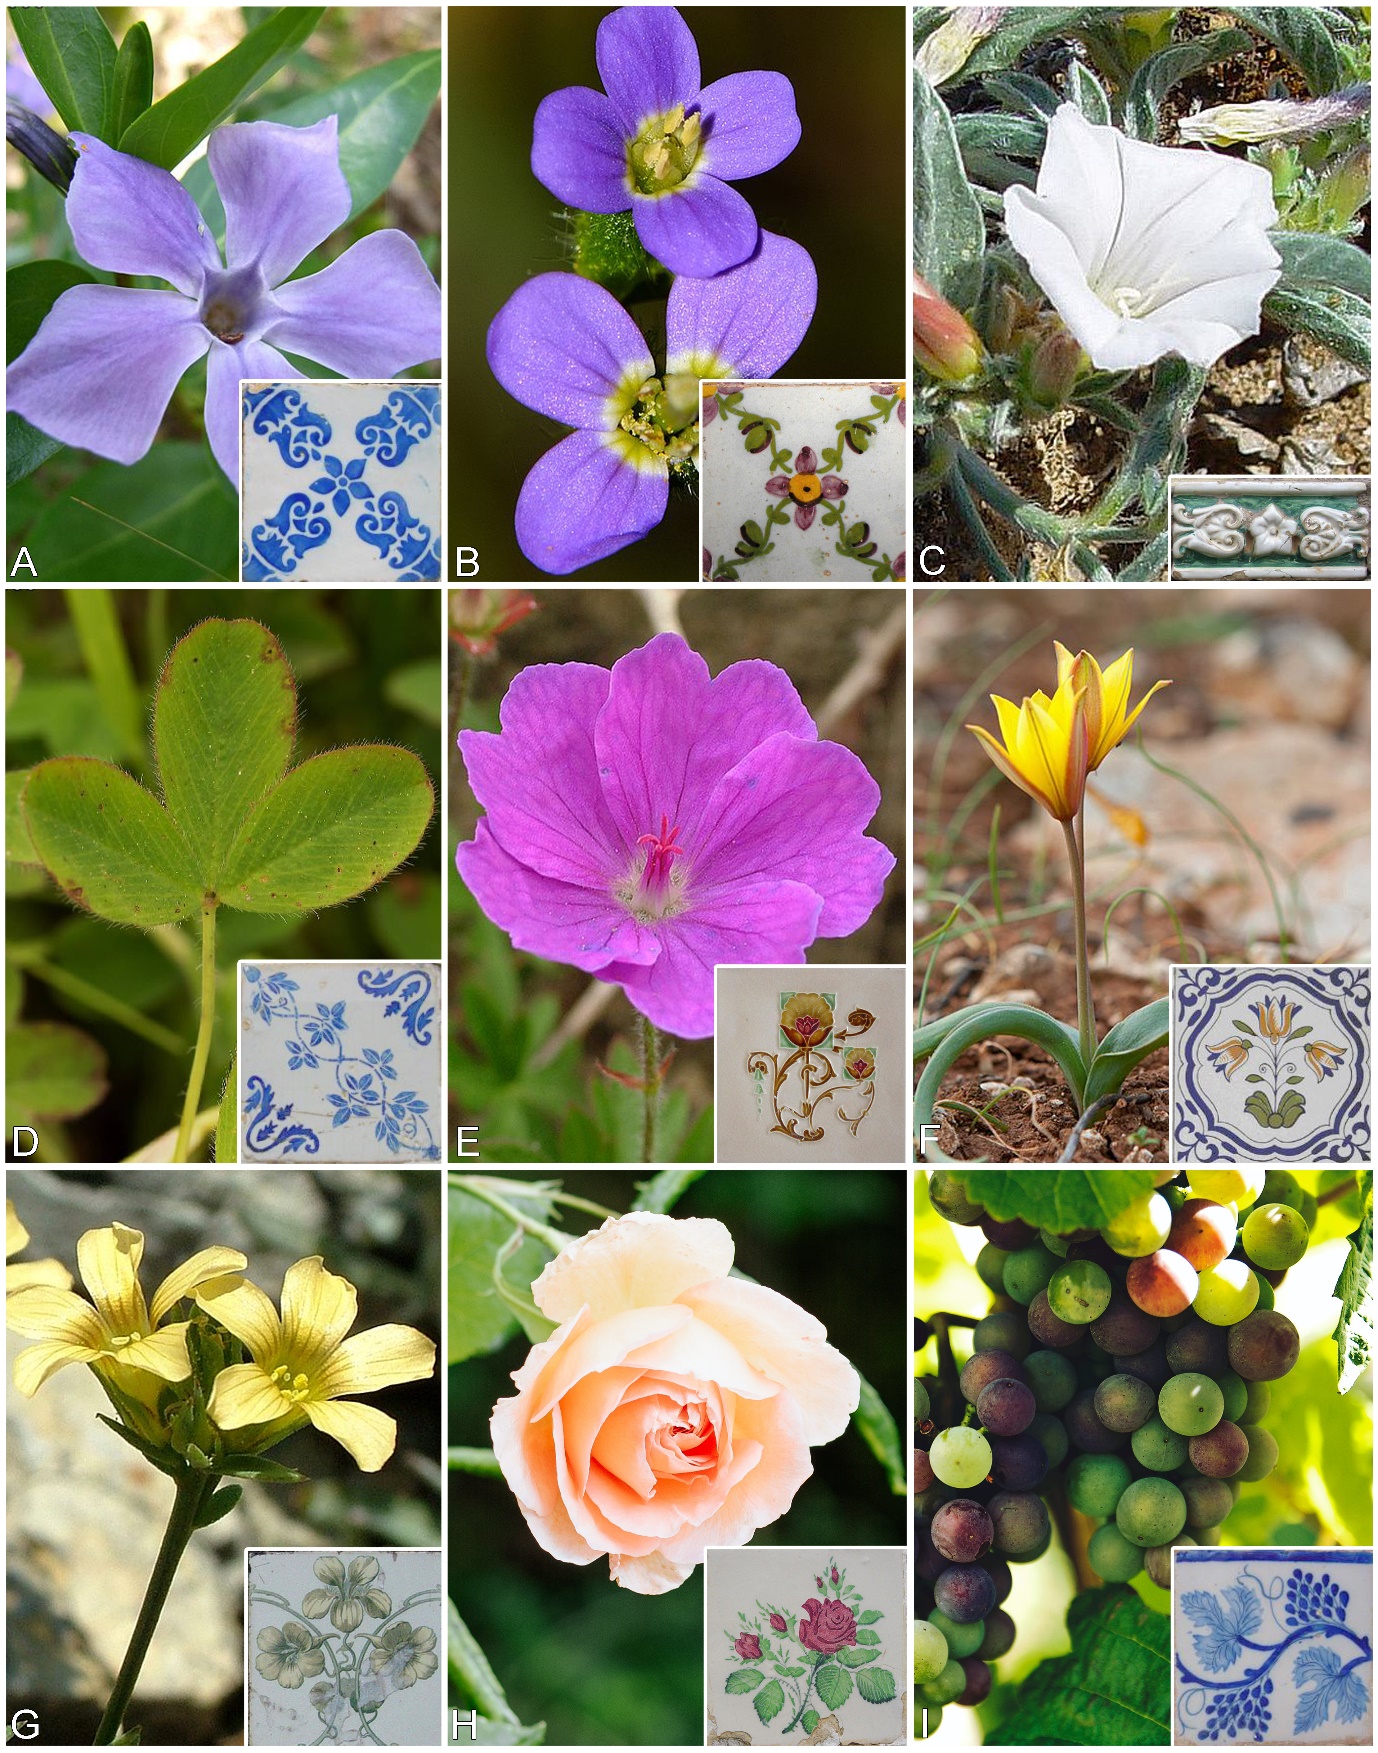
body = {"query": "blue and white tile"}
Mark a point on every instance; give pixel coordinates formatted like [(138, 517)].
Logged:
[(339, 1062), (1272, 1646), (1271, 1064), (341, 482)]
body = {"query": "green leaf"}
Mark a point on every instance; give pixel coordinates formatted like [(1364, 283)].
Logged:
[(868, 1637), (334, 827), (1335, 318), (663, 1189), (878, 1431), (1305, 33), (858, 1658), (26, 448), (769, 1701), (165, 134), (1169, 67), (1243, 1027), (791, 1673), (876, 1685), (128, 1738), (133, 91), (809, 1721), (261, 1467), (108, 844), (417, 687), (52, 1072), (1124, 1047), (870, 1616), (219, 1504), (949, 232), (744, 1680), (1311, 259), (1111, 1690), (1058, 1200), (19, 849), (224, 721), (943, 1043), (1088, 94), (163, 1459), (833, 1685), (31, 291), (1020, 27), (73, 56), (479, 1321)]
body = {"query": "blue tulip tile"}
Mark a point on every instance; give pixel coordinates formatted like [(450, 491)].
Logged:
[(340, 482), (804, 481), (1272, 1646), (339, 1062), (1270, 1064)]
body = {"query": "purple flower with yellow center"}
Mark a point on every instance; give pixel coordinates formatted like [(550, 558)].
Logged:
[(648, 822), (1324, 1058), (663, 144), (565, 347), (1228, 1056), (806, 487), (103, 366)]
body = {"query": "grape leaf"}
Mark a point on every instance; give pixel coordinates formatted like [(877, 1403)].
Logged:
[(1111, 1690), (1355, 1331), (1059, 1200)]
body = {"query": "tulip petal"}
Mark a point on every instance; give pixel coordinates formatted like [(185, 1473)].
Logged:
[(701, 228), (131, 217), (243, 1395), (373, 312), (247, 1312), (584, 500), (36, 1363), (1013, 773), (745, 322), (283, 190), (750, 124), (207, 1264), (579, 150), (642, 1260), (380, 1357), (318, 1309), (108, 1260), (369, 1435), (564, 346), (648, 61)]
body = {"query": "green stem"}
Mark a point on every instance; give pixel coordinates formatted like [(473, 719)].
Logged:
[(479, 1186), (94, 998), (107, 662), (1086, 1016), (804, 1701), (203, 1033), (192, 1491), (650, 1084), (482, 1461)]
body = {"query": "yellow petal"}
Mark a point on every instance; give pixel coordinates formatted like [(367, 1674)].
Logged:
[(1008, 714), (16, 1236), (1128, 723), (1008, 768), (200, 1269), (1062, 751), (25, 1274), (36, 1363), (247, 1312), (243, 1394), (377, 1358), (318, 1309), (109, 1263), (368, 1434), (48, 1313), (163, 1353)]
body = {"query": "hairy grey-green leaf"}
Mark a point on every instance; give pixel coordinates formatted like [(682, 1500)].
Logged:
[(949, 231)]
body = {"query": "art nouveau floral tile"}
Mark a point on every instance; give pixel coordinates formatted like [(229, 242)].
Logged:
[(806, 1646), (1259, 526), (804, 481), (1270, 1064), (343, 1648), (341, 482), (1272, 1646), (339, 1062)]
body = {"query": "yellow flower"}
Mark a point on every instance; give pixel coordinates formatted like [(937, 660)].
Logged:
[(859, 1063), (347, 1593), (1107, 696), (1046, 748), (303, 1363), (1324, 1058), (1274, 1017), (122, 1336), (806, 1018), (1229, 1055), (28, 1272)]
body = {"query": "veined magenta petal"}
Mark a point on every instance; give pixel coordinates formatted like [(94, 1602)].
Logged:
[(226, 369), (130, 217), (701, 228), (538, 778), (582, 502), (283, 189), (797, 810), (648, 61), (750, 124), (748, 321), (768, 921), (372, 313), (101, 370), (563, 921), (579, 150), (563, 345), (669, 732)]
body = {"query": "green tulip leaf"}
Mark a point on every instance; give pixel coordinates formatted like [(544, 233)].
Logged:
[(1123, 1047), (943, 1043), (73, 55)]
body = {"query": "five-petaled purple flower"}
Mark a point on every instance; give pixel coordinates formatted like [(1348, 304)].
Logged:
[(663, 144), (649, 822), (565, 347), (102, 368)]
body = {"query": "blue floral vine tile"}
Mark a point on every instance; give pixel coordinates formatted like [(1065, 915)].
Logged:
[(1272, 1646), (1270, 1064), (339, 1062), (804, 481), (340, 482)]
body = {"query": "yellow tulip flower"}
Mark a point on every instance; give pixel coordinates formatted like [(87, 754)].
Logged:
[(1324, 1058), (122, 1336), (1228, 1055), (1107, 696), (303, 1363), (1274, 1018), (28, 1272), (1046, 748)]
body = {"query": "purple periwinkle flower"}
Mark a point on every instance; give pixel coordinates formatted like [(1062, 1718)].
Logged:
[(647, 822), (102, 368), (565, 347), (663, 144)]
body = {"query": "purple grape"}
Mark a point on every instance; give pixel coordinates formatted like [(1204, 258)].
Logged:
[(962, 1531), (1020, 1520), (1085, 1430), (1198, 1348), (1006, 1407), (985, 1367), (1050, 1329), (965, 1592), (978, 1675), (1124, 1329), (1149, 1366)]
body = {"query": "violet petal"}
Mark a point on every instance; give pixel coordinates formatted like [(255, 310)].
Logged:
[(749, 320), (582, 501), (778, 485), (750, 124), (283, 189), (563, 345), (701, 228), (834, 487), (579, 151), (806, 462), (130, 217), (226, 368), (372, 313), (804, 516), (101, 370), (648, 61)]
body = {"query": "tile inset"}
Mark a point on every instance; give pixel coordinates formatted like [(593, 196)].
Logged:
[(804, 481), (1262, 526), (340, 482), (1272, 1646), (1270, 1064), (339, 1061)]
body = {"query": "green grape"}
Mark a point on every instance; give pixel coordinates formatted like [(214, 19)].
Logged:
[(1095, 1483), (1226, 1293), (1236, 1392), (1052, 1377), (928, 1717), (1079, 1292), (1051, 1433), (1239, 1187), (1112, 1556), (1263, 1454), (1191, 1404), (1275, 1237), (1141, 1228), (1281, 1187), (948, 1196), (1256, 1406), (930, 1651), (990, 1267), (1027, 1271), (1309, 1208), (960, 1457), (1156, 1447), (922, 1405), (962, 1640), (1151, 1512), (1003, 1330), (1055, 1244), (950, 1684)]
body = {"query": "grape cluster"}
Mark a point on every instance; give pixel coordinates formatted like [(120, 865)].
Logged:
[(1128, 1367)]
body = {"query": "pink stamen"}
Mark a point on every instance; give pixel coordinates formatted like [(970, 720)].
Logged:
[(664, 849)]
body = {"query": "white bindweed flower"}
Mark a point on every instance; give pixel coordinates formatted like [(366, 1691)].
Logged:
[(1145, 250)]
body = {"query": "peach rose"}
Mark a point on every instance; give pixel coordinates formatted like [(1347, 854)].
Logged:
[(672, 1409)]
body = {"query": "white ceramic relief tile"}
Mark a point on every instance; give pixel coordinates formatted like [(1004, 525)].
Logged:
[(1270, 1064), (804, 481), (339, 1061), (344, 1649), (806, 1646), (1272, 1647), (341, 482)]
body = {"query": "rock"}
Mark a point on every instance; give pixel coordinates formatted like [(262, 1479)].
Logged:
[(1023, 966), (1291, 669), (1314, 375)]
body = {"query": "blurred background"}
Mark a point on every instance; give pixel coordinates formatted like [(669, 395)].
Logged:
[(841, 194), (85, 1513), (594, 1662), (367, 669)]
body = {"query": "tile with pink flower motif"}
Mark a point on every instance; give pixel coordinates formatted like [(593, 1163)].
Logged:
[(806, 1647), (804, 481)]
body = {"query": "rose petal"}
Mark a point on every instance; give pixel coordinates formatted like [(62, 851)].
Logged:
[(130, 217), (373, 312), (586, 1518), (579, 151), (698, 1352), (750, 124), (653, 1575), (564, 346), (586, 1408), (747, 321), (283, 190), (228, 367), (583, 500), (648, 61), (700, 228), (643, 1260)]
